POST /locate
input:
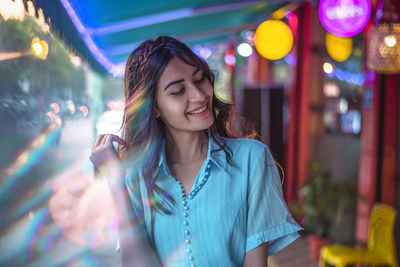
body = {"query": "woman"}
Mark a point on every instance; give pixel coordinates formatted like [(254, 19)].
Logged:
[(198, 194)]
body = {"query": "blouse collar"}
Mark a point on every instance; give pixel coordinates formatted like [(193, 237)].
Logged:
[(214, 154)]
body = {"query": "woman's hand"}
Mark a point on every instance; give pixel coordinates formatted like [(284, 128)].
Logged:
[(105, 158), (135, 249)]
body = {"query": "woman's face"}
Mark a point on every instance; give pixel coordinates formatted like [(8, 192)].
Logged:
[(184, 97)]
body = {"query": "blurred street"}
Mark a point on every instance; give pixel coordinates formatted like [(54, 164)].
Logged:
[(53, 215), (318, 80)]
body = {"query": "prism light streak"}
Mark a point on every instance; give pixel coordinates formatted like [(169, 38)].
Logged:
[(35, 225), (37, 222), (29, 156), (22, 209)]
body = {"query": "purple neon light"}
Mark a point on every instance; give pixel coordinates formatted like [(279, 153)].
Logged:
[(344, 17), (87, 39)]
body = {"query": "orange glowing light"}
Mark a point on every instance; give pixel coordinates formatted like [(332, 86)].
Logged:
[(84, 110), (39, 48), (56, 107), (51, 115), (116, 105)]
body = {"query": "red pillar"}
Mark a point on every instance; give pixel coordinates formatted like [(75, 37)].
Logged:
[(297, 150), (390, 135), (378, 155)]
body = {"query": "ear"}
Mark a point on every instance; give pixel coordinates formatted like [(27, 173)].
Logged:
[(156, 112)]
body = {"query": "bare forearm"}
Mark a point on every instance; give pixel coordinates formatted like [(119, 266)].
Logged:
[(257, 257), (136, 251), (134, 247)]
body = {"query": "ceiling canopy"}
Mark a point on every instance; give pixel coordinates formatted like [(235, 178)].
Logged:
[(105, 32)]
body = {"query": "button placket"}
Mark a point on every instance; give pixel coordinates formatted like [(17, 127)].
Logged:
[(186, 213)]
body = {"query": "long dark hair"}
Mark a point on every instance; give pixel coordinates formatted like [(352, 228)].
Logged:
[(143, 132)]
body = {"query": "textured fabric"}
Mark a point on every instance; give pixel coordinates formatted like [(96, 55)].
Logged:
[(232, 208)]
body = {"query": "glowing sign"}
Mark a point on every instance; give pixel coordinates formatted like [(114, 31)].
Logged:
[(344, 18)]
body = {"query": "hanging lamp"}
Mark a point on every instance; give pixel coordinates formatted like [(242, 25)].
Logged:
[(383, 45)]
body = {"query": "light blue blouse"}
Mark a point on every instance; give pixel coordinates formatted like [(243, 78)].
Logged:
[(232, 208)]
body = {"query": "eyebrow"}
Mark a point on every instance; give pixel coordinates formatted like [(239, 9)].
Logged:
[(178, 81)]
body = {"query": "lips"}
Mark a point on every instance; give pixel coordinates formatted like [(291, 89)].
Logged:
[(198, 110)]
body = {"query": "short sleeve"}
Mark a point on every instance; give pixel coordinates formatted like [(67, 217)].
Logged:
[(132, 183), (268, 218)]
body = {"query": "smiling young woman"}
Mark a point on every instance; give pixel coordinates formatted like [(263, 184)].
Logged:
[(190, 189)]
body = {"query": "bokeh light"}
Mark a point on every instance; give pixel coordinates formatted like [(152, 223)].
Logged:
[(279, 14), (273, 39), (56, 107), (343, 105), (390, 40), (40, 48), (84, 110), (244, 49), (328, 68), (344, 18), (331, 89), (338, 48)]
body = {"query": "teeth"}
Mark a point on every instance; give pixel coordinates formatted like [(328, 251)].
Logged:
[(199, 111)]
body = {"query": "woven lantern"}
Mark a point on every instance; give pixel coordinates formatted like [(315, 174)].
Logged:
[(383, 46)]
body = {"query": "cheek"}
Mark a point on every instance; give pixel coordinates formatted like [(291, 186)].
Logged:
[(209, 89), (172, 110)]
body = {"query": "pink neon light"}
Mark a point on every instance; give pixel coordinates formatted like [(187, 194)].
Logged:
[(344, 17)]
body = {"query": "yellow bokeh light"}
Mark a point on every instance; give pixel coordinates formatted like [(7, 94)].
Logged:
[(273, 39), (279, 14), (39, 48), (338, 48)]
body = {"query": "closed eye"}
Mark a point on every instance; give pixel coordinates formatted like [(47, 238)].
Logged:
[(178, 92), (182, 90), (200, 80)]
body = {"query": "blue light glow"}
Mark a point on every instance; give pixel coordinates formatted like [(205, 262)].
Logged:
[(87, 39), (339, 74)]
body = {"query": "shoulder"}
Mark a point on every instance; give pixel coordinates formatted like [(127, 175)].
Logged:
[(245, 144), (251, 149)]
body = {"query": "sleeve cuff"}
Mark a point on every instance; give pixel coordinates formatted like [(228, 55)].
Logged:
[(278, 237)]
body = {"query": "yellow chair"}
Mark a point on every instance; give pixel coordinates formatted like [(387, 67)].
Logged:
[(381, 247)]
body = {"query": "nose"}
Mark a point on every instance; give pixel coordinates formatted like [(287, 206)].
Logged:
[(196, 93)]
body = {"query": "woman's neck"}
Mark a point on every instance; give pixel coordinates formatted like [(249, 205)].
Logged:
[(185, 147)]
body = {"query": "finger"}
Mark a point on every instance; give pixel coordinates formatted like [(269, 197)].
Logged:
[(99, 139), (97, 142), (117, 139), (106, 140)]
